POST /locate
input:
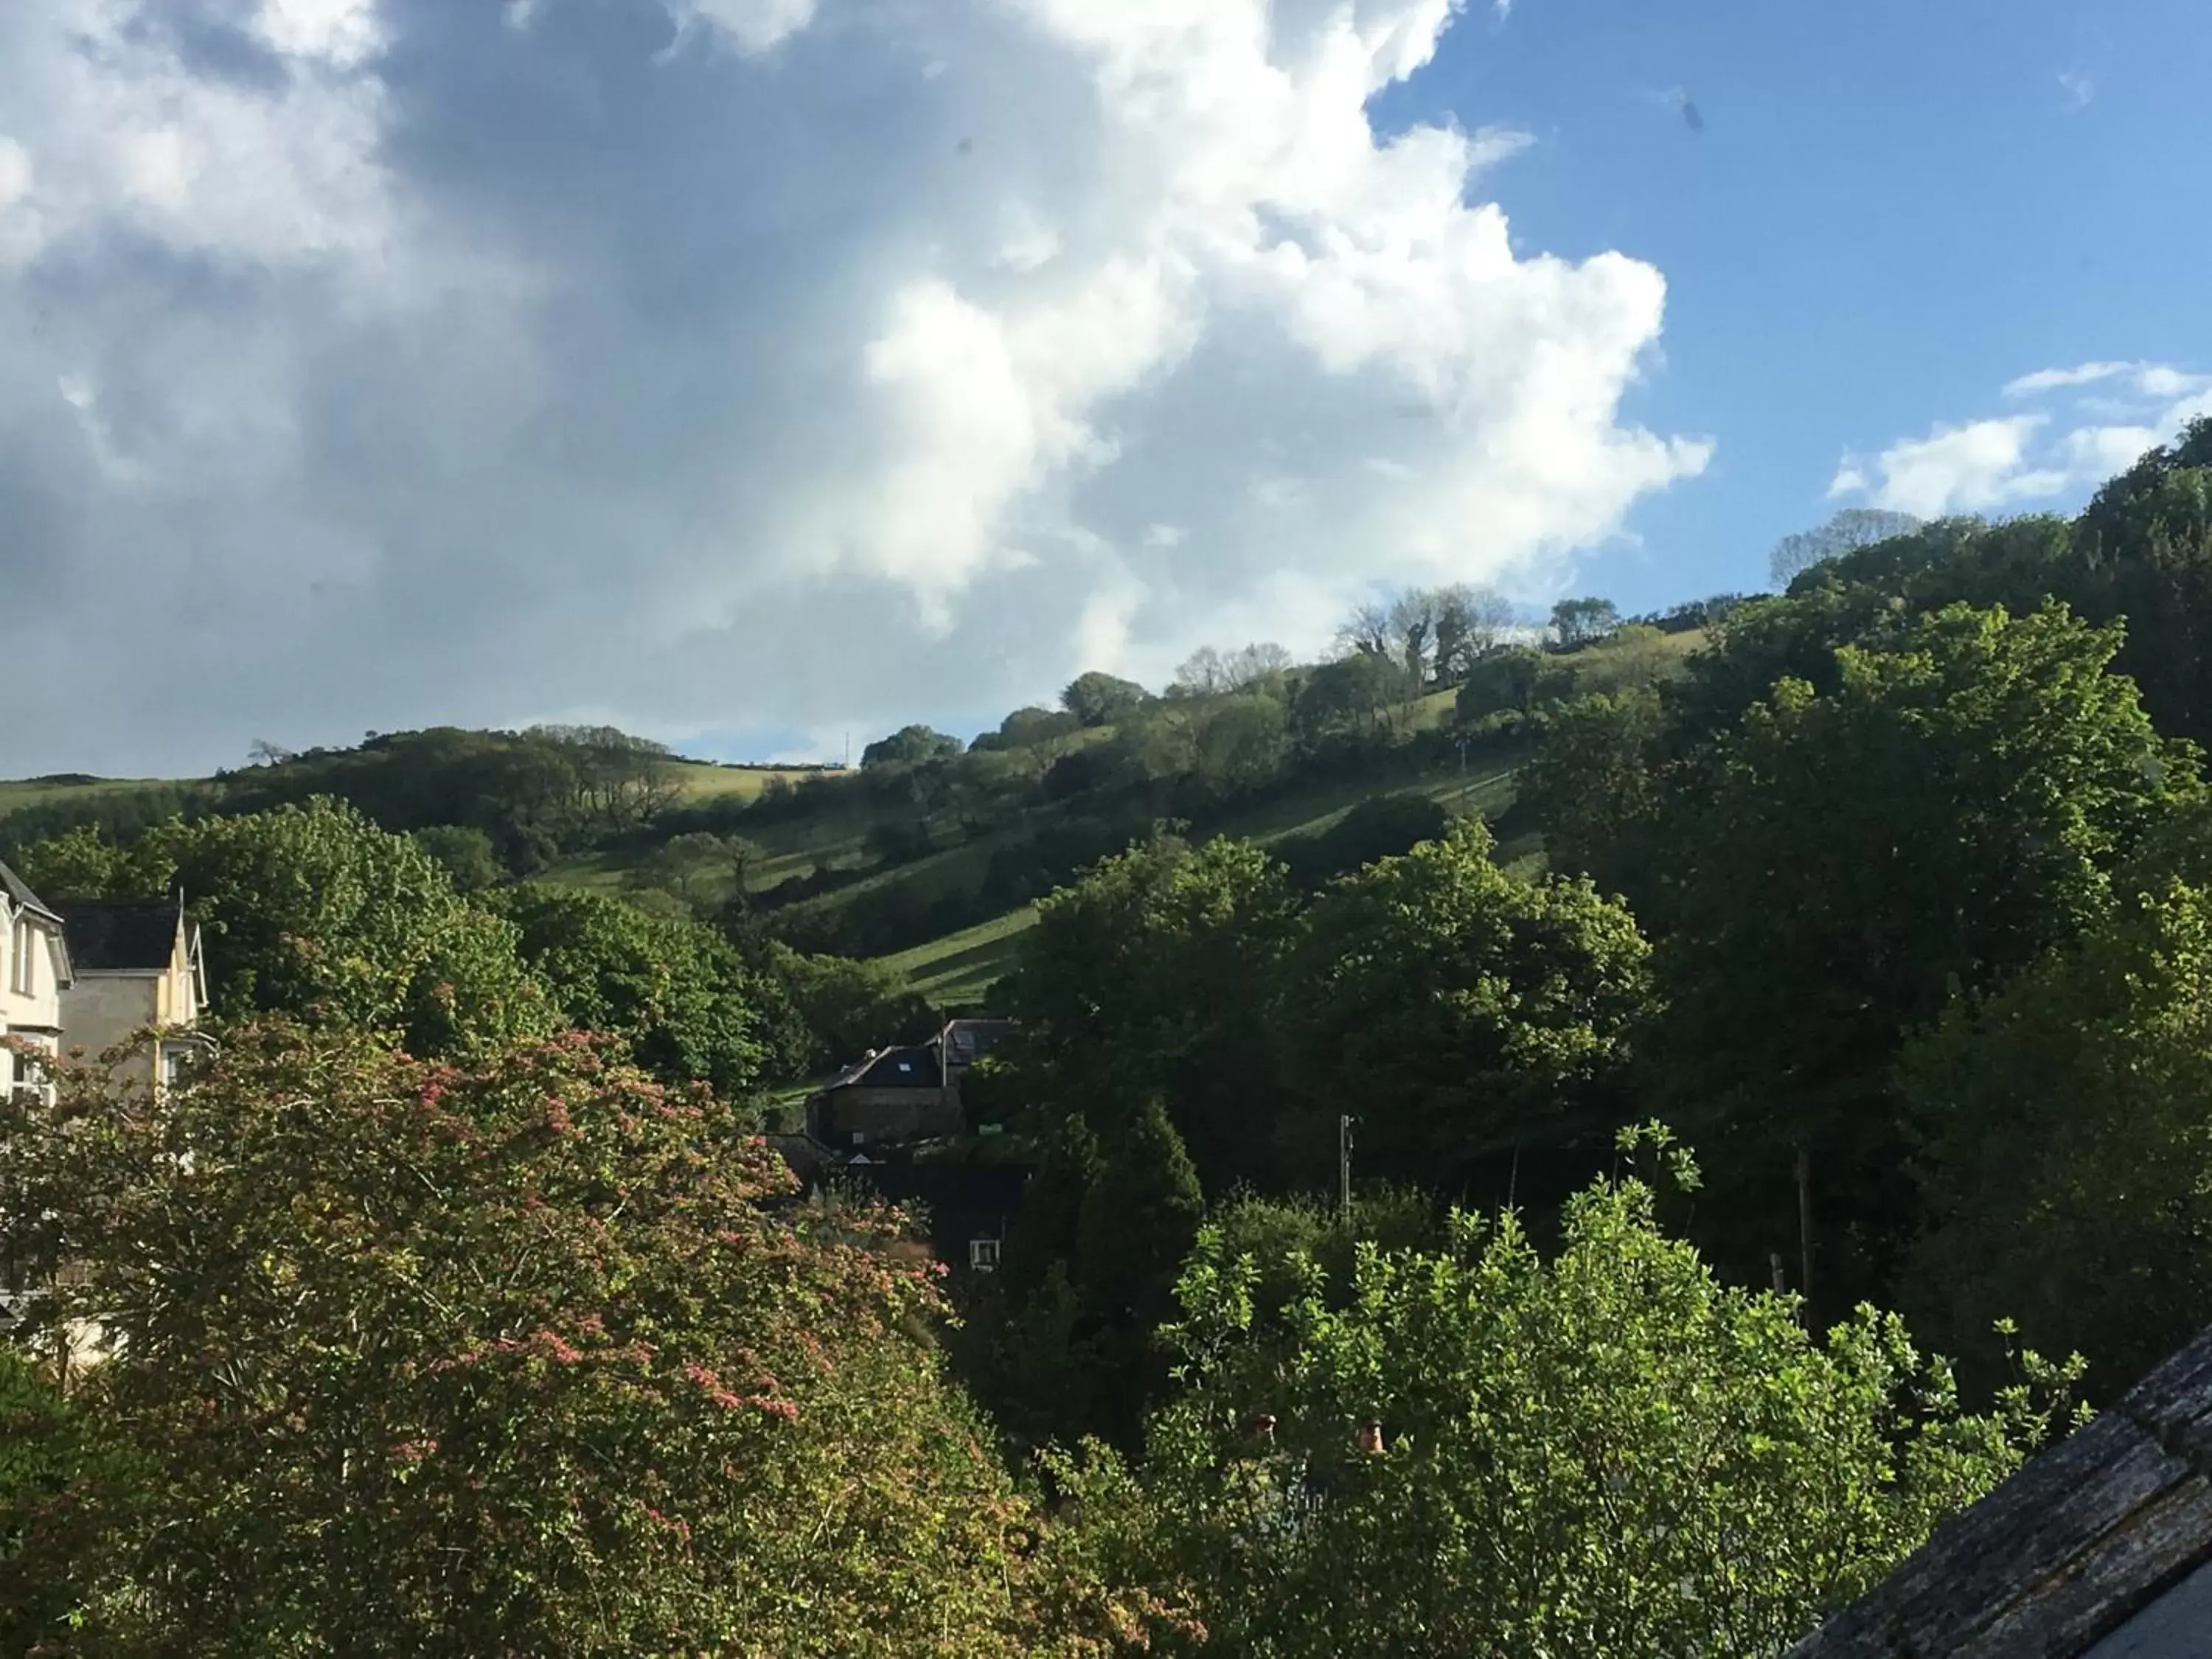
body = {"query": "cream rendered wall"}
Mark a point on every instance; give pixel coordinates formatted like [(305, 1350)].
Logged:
[(43, 1005)]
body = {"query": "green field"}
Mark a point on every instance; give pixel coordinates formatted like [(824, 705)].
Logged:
[(712, 781), (960, 968), (43, 791)]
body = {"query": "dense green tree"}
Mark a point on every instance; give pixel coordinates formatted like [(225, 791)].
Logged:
[(1354, 697), (844, 1007), (1477, 1450), (1458, 1011), (1100, 699), (313, 911), (1955, 807), (1596, 786), (2142, 552), (508, 1358), (1379, 827), (1241, 743), (1027, 728), (1138, 1220), (1509, 678), (1583, 622), (50, 1451), (910, 745), (2067, 1162), (1152, 977), (467, 855), (675, 991), (84, 862)]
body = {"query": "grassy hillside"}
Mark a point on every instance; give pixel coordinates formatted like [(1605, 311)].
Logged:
[(960, 967), (20, 793), (930, 870)]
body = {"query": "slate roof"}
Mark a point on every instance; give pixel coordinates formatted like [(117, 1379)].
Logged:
[(2100, 1548), (120, 935), (20, 894)]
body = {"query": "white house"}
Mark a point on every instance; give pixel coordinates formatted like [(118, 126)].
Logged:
[(137, 968), (35, 973)]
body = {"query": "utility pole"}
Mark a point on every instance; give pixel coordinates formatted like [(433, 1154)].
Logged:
[(1343, 1168), (1805, 1224)]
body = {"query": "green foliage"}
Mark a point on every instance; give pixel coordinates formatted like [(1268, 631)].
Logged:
[(2068, 1155), (910, 745), (846, 1007), (1354, 699), (698, 863), (469, 858), (1510, 678), (511, 1358), (1379, 827), (83, 862), (1028, 728), (1581, 621), (1137, 1219), (314, 911), (1606, 1453), (1150, 977), (1594, 786), (1100, 699), (675, 991), (50, 1453), (1953, 807), (1241, 743), (1457, 1010), (2143, 550), (535, 793)]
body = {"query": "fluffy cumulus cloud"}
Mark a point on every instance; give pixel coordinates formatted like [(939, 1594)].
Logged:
[(2071, 428), (748, 367)]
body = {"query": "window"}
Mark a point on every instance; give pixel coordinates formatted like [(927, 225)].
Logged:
[(30, 1075), (983, 1254), (172, 1067), (24, 974)]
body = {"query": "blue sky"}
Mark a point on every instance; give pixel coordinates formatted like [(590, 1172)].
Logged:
[(1895, 208), (750, 372)]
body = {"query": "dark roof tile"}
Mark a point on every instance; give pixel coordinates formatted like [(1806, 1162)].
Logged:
[(120, 935), (19, 892)]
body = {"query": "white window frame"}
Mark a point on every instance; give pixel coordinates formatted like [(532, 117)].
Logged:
[(30, 1074), (22, 971), (983, 1255)]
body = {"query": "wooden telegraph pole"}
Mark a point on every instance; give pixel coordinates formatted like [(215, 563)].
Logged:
[(1344, 1168)]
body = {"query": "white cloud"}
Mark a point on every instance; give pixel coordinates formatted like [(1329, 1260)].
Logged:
[(703, 393), (1962, 469), (2076, 91), (344, 33), (2051, 380), (1999, 462), (752, 26)]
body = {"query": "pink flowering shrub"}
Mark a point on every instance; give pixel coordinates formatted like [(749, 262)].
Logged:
[(522, 1355)]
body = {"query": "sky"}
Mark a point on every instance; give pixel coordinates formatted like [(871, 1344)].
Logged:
[(762, 374)]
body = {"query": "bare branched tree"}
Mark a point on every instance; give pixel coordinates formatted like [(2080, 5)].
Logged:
[(1853, 527)]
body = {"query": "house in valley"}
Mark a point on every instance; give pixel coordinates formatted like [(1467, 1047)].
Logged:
[(138, 969), (35, 973), (899, 1096)]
